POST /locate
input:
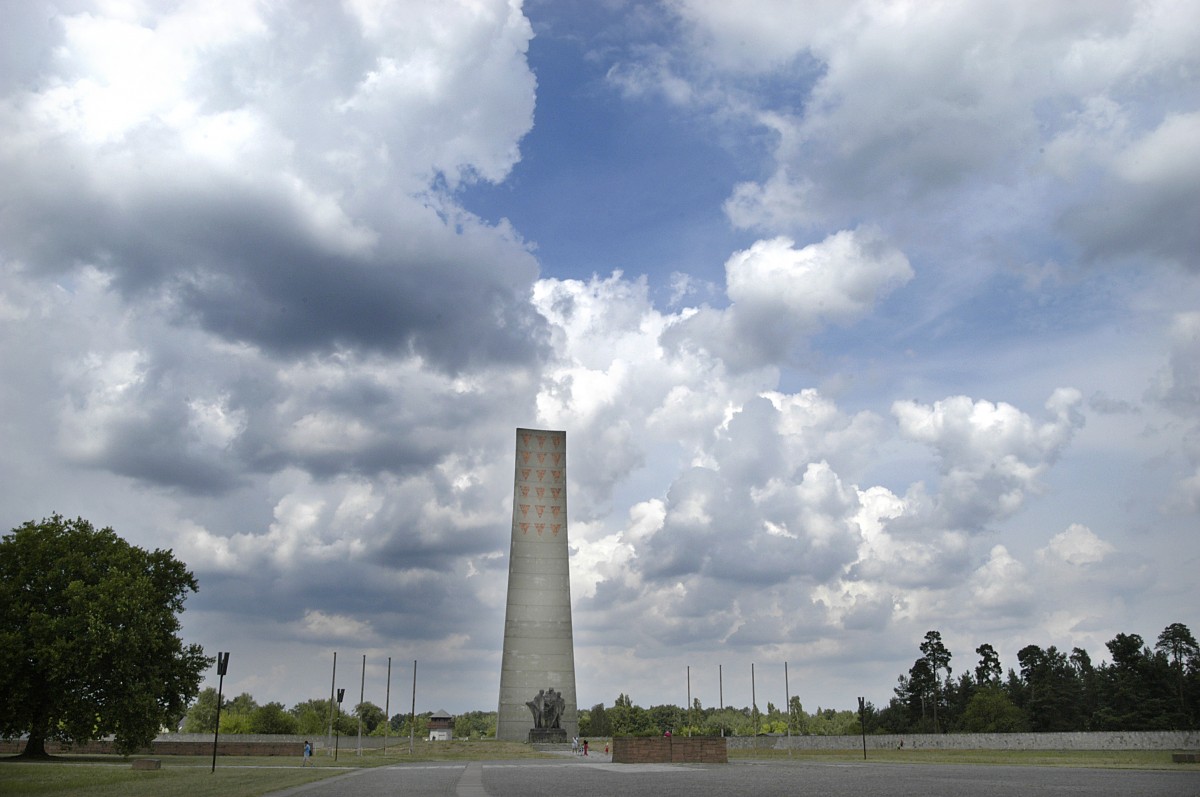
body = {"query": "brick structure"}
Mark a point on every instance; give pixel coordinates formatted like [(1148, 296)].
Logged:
[(670, 750)]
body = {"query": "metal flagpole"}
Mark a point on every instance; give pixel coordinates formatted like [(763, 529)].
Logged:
[(332, 681), (362, 691), (387, 707), (412, 718), (753, 702), (787, 695)]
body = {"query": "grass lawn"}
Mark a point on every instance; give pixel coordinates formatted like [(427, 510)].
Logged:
[(236, 776), (457, 750), (110, 776), (1101, 759)]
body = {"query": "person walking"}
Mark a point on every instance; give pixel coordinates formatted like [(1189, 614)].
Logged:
[(585, 747), (307, 762)]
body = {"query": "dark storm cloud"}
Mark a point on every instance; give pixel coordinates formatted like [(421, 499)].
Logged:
[(201, 418), (156, 453), (454, 314), (1138, 221), (437, 550), (389, 453), (424, 608), (365, 559), (242, 265)]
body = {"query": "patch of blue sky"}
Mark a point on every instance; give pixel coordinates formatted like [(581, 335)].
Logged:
[(607, 182)]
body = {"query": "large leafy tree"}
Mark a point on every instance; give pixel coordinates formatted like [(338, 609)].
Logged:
[(202, 716), (478, 724), (796, 715), (626, 719), (372, 716), (89, 641), (272, 718), (312, 717), (666, 718), (991, 711), (597, 724)]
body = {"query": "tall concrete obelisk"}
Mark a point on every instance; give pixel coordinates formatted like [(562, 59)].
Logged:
[(539, 653)]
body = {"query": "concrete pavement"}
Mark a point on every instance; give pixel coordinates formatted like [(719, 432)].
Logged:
[(576, 776)]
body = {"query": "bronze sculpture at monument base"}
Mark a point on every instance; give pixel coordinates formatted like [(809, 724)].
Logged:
[(547, 736)]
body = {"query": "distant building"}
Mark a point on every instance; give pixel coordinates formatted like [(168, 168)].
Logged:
[(441, 726)]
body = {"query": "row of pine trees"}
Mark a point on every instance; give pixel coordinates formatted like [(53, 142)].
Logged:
[(1138, 688)]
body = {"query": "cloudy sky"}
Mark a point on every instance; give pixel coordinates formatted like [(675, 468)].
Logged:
[(862, 319)]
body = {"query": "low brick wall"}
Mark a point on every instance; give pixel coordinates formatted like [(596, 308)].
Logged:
[(1096, 740), (670, 750)]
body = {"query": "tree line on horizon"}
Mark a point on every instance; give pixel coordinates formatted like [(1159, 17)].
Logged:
[(624, 718), (244, 715), (1140, 689)]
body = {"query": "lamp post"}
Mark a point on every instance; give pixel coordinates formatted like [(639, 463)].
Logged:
[(862, 724), (337, 732), (222, 668)]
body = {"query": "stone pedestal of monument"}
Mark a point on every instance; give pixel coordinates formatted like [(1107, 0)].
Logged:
[(547, 736)]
